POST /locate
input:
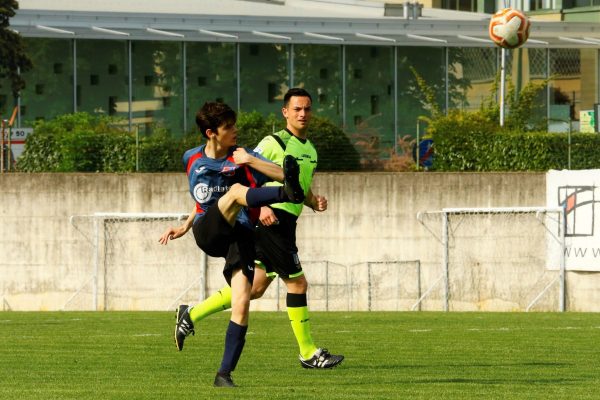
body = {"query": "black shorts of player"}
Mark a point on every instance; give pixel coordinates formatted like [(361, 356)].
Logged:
[(217, 238), (276, 246)]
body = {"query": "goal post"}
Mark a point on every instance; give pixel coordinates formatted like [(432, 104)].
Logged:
[(499, 258), (129, 269)]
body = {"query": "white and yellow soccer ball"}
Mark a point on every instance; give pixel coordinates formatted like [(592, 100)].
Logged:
[(509, 28)]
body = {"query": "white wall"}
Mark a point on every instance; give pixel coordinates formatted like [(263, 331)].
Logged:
[(44, 260)]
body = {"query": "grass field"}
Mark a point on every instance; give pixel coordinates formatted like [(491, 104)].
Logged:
[(131, 355)]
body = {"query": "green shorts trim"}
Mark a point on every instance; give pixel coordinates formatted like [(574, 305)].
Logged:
[(273, 274)]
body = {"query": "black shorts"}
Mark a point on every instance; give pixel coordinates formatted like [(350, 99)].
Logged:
[(217, 238), (276, 248)]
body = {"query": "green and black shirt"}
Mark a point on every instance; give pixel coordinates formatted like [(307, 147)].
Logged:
[(275, 147)]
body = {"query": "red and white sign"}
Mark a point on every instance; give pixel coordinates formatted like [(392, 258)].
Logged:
[(18, 136)]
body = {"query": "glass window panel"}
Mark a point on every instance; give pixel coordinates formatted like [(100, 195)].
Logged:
[(471, 75), (6, 99), (157, 85), (588, 96), (49, 84), (264, 77), (565, 87), (102, 77), (529, 65), (214, 80), (317, 68), (582, 3), (370, 95), (429, 63)]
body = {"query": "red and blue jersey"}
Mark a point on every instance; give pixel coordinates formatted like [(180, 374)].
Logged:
[(211, 178)]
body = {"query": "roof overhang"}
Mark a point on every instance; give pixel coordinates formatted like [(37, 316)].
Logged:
[(432, 29)]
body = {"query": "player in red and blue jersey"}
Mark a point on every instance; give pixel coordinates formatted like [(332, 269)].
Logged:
[(223, 181), (275, 235)]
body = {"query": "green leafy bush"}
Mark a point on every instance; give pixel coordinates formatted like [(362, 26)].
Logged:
[(82, 142), (475, 141), (469, 142), (336, 152), (71, 142)]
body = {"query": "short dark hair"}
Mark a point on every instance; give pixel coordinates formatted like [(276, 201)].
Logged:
[(298, 92), (212, 115)]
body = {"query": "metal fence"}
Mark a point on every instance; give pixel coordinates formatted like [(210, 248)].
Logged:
[(125, 268)]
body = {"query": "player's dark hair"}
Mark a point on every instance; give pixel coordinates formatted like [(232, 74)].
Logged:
[(298, 92), (212, 115)]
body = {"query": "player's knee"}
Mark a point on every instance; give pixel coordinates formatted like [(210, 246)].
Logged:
[(258, 291), (237, 190), (298, 285)]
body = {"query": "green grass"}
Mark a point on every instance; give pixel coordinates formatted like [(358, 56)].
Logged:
[(131, 355)]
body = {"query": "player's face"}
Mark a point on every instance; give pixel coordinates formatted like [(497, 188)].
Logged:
[(298, 114), (227, 134)]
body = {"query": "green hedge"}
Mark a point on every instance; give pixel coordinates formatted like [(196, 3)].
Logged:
[(85, 143), (470, 142), (82, 142)]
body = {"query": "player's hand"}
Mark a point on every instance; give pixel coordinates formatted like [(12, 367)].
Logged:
[(241, 156), (319, 203), (172, 233), (267, 217)]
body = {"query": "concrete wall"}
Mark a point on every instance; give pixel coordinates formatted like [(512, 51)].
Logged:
[(46, 262)]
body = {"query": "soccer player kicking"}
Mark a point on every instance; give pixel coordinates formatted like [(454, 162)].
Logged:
[(223, 181), (276, 235)]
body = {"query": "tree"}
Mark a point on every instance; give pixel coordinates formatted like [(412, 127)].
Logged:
[(13, 59)]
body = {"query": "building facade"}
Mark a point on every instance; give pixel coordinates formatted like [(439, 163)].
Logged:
[(357, 58)]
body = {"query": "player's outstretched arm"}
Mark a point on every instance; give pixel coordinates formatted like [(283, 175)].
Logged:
[(272, 170), (315, 201), (175, 233)]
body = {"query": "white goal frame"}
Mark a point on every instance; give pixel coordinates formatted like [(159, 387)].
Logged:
[(99, 225), (444, 240)]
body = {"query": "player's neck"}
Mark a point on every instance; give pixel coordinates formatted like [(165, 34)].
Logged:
[(214, 150), (297, 133)]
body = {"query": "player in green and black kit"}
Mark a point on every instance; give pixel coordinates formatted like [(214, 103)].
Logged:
[(276, 234)]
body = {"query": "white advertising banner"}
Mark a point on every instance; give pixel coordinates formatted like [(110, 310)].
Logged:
[(578, 193)]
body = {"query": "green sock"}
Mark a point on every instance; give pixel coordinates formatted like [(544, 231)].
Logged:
[(217, 302), (298, 312)]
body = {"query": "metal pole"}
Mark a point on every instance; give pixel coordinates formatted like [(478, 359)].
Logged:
[(137, 148), (184, 83), (563, 228), (74, 75), (277, 295), (96, 262), (203, 273), (344, 86), (130, 83), (502, 83), (9, 159), (548, 86), (447, 83), (419, 281), (291, 47), (4, 122), (349, 284), (395, 99), (418, 149), (445, 260), (369, 286), (238, 81), (569, 147), (326, 285)]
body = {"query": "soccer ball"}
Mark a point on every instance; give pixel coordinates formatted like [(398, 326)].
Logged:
[(509, 28)]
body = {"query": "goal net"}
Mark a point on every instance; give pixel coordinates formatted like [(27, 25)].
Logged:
[(499, 259), (127, 268)]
